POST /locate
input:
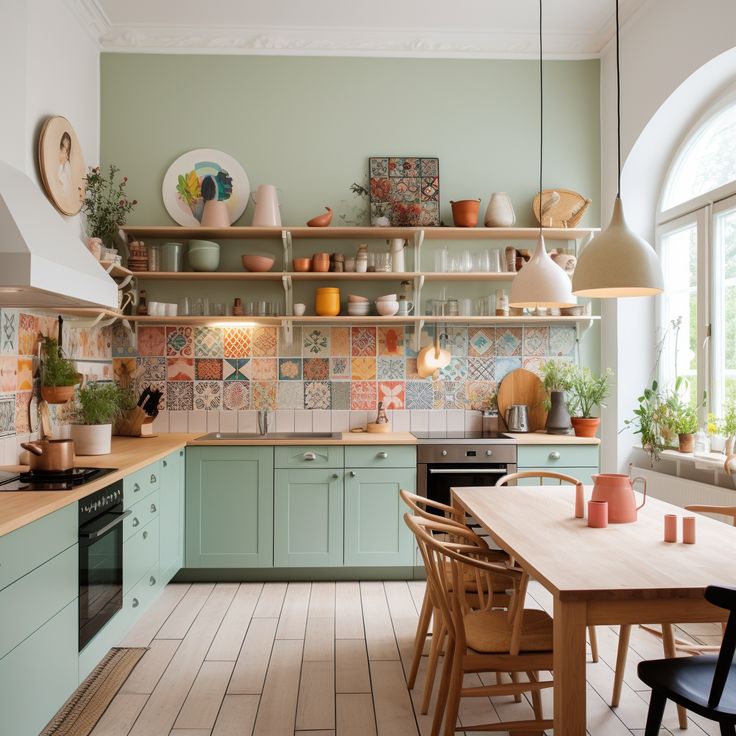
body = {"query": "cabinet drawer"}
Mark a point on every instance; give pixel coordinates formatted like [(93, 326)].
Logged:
[(144, 511), (317, 456), (39, 675), (141, 483), (380, 456), (37, 597), (141, 596), (140, 553), (30, 546), (581, 474), (553, 456)]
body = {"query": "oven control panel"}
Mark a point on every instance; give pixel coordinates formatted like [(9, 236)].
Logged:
[(100, 501)]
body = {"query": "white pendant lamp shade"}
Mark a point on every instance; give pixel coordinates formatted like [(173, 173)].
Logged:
[(617, 263), (541, 283)]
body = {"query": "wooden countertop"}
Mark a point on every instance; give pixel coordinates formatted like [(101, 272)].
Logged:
[(541, 438), (343, 438)]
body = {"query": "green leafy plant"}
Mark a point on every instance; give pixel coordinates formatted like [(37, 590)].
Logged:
[(729, 420), (101, 403), (106, 206), (556, 376), (586, 390), (56, 369), (647, 420), (679, 416)]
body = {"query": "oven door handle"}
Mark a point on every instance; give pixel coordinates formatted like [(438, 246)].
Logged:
[(469, 471), (97, 533)]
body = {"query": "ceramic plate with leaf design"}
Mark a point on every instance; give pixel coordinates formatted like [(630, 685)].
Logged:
[(220, 174)]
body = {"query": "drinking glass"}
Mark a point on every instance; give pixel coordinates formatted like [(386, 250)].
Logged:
[(494, 261), (250, 309), (219, 309), (440, 261), (466, 307), (452, 308), (184, 306), (196, 307), (383, 262), (438, 307), (262, 309)]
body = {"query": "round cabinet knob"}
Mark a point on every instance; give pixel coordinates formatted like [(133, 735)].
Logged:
[(335, 476), (165, 464), (135, 521), (145, 535), (135, 603), (554, 455), (382, 455), (181, 453), (444, 453), (152, 580), (353, 474), (310, 456), (153, 478), (153, 508), (489, 452), (136, 488)]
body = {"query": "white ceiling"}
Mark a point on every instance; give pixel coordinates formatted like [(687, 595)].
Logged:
[(461, 28)]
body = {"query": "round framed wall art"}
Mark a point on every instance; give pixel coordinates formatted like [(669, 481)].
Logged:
[(61, 164)]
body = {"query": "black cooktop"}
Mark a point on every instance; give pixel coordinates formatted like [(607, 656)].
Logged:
[(462, 435), (45, 481)]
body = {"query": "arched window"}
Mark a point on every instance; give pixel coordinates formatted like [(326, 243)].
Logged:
[(696, 237)]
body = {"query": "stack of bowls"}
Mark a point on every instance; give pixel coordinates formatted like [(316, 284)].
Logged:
[(204, 255), (358, 306), (387, 305)]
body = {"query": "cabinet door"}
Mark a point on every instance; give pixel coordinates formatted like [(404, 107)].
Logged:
[(229, 507), (581, 474), (307, 516), (375, 532), (171, 515)]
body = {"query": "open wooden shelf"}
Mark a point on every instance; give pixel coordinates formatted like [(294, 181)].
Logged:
[(315, 276), (353, 233)]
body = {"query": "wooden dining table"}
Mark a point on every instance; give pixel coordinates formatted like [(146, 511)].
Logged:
[(621, 574)]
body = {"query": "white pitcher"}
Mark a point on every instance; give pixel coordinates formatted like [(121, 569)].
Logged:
[(266, 213)]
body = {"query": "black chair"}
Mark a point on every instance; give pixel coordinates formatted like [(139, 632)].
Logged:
[(705, 684)]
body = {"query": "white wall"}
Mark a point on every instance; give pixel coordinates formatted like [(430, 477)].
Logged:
[(675, 57)]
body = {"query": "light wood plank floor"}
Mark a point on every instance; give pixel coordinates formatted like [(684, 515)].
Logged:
[(324, 659)]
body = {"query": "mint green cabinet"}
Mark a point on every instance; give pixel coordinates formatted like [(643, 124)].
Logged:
[(308, 517), (579, 461), (375, 532), (581, 474), (229, 507), (171, 516)]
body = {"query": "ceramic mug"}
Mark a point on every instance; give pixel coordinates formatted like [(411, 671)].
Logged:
[(405, 307), (598, 514)]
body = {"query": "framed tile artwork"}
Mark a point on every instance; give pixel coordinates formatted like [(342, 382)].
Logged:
[(406, 190)]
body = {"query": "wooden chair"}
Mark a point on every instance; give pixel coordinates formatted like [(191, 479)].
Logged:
[(670, 643), (705, 685), (483, 639), (511, 478), (453, 520)]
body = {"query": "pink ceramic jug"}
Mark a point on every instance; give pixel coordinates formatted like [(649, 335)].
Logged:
[(618, 490)]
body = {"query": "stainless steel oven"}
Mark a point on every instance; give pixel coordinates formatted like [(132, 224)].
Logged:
[(101, 518)]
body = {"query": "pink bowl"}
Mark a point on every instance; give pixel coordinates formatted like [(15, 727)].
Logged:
[(356, 299), (259, 264)]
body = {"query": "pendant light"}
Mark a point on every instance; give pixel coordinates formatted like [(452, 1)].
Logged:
[(617, 263), (541, 282)]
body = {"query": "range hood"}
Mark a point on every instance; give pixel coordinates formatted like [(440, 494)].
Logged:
[(43, 264)]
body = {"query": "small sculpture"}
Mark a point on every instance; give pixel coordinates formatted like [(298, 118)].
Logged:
[(321, 220)]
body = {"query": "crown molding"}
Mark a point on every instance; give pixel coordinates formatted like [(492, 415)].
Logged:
[(91, 17), (284, 41)]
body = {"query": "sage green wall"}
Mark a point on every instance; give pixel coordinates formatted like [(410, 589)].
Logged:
[(309, 124)]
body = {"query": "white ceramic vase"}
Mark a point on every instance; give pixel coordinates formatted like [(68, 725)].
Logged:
[(500, 211), (717, 443), (266, 213), (92, 439), (396, 249)]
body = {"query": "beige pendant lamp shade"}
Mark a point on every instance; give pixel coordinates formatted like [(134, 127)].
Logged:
[(617, 263), (541, 283)]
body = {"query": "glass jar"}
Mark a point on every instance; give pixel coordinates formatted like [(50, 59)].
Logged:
[(327, 302), (154, 257)]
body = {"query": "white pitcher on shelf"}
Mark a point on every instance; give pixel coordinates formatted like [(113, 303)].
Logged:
[(266, 213)]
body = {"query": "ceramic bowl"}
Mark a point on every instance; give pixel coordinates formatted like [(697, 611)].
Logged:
[(386, 308), (258, 264), (386, 298), (302, 265), (204, 258), (357, 310), (355, 299)]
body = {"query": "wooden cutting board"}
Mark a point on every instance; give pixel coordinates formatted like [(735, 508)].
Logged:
[(523, 387)]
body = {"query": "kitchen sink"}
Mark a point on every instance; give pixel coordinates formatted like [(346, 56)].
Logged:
[(225, 436)]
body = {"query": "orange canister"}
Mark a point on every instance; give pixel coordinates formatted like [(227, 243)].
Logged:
[(327, 302)]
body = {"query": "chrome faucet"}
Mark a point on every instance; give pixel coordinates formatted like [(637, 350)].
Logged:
[(263, 421)]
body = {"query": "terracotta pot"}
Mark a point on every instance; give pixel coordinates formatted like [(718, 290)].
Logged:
[(321, 220), (585, 426), (57, 394), (465, 212), (687, 442)]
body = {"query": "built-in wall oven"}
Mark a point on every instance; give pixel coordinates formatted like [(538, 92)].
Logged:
[(101, 518)]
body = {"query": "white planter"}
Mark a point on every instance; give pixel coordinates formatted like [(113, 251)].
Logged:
[(92, 439), (717, 443)]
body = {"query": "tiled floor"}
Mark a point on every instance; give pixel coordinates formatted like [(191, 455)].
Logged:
[(323, 658)]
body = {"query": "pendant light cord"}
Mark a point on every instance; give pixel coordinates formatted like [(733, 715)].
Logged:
[(541, 118), (618, 105)]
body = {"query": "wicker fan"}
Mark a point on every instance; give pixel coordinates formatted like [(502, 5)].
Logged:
[(560, 208)]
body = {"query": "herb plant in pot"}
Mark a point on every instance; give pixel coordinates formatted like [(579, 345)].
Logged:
[(58, 374), (681, 417), (557, 377), (586, 391), (729, 427), (99, 404)]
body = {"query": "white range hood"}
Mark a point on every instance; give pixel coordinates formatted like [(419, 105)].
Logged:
[(43, 264)]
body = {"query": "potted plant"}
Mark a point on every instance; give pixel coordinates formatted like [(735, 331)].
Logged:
[(729, 427), (715, 434), (106, 207), (58, 374), (586, 391), (647, 421), (557, 377), (99, 404), (680, 416)]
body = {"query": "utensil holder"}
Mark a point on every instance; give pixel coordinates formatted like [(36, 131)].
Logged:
[(136, 423)]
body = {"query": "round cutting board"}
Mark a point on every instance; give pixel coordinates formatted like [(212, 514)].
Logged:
[(523, 387)]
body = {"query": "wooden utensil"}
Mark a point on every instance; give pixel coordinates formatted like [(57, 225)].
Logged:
[(560, 208), (523, 387), (44, 415)]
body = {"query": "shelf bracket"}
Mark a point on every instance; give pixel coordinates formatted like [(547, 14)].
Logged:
[(286, 242), (418, 284), (417, 244), (99, 321), (122, 284), (288, 325), (418, 327)]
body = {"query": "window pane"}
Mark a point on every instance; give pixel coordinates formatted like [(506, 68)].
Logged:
[(724, 337), (708, 160), (680, 307)]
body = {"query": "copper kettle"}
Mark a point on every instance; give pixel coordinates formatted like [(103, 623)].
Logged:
[(50, 456)]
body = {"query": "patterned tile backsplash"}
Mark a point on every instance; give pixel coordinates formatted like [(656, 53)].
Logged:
[(334, 368)]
